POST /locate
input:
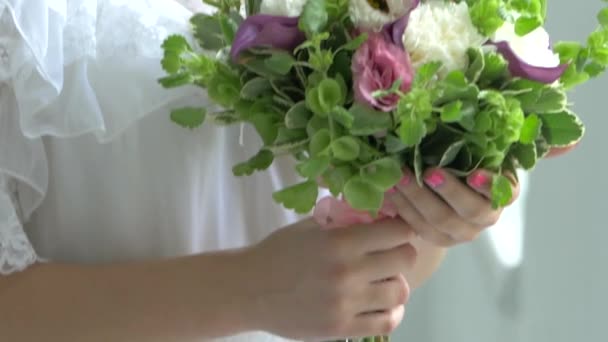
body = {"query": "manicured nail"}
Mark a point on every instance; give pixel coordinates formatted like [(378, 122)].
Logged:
[(479, 180), (435, 179)]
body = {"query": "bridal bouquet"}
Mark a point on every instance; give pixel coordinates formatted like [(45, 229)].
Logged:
[(358, 90)]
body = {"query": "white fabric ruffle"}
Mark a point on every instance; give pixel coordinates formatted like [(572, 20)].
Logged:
[(62, 65)]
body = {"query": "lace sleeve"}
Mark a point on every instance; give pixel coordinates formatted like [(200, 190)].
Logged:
[(16, 251)]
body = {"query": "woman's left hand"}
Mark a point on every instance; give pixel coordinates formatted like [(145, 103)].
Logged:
[(447, 211)]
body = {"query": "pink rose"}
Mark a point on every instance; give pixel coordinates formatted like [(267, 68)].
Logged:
[(376, 66)]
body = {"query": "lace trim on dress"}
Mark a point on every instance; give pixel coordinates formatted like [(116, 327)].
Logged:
[(16, 251)]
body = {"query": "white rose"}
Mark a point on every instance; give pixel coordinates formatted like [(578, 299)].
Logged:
[(284, 8), (533, 48), (369, 16), (441, 31)]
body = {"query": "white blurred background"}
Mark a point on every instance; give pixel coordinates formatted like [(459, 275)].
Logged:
[(559, 291)]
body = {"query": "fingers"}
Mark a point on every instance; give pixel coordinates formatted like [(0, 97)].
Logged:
[(481, 181), (469, 204), (383, 296), (379, 236), (389, 264), (437, 213), (418, 223), (379, 323)]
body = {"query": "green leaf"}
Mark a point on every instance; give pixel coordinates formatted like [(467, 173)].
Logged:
[(298, 116), (315, 124), (546, 100), (320, 142), (571, 77), (330, 95), (345, 148), (501, 191), (266, 127), (363, 195), (486, 15), (602, 17), (418, 167), (301, 197), (258, 66), (452, 112), (393, 144), (476, 64), (525, 25), (343, 116), (176, 80), (173, 47), (259, 162), (228, 27), (224, 118), (496, 68), (280, 62), (189, 117), (412, 130), (456, 87), (368, 121), (383, 173), (313, 103), (208, 32), (313, 167), (255, 87), (525, 155), (355, 43), (562, 129), (336, 178), (426, 73), (314, 17), (567, 51), (531, 130), (451, 153), (286, 135)]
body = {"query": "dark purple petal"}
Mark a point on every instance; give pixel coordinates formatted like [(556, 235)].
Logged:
[(519, 68), (394, 31), (267, 30)]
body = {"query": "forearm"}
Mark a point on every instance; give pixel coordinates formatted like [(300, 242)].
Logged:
[(177, 300), (428, 260)]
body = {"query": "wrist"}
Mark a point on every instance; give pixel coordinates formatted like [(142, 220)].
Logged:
[(228, 304)]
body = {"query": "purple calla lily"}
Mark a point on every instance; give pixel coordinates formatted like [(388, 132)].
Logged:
[(393, 32), (519, 68), (267, 30)]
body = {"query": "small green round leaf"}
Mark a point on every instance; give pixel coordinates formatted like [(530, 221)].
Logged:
[(345, 148), (363, 195), (319, 144), (330, 95)]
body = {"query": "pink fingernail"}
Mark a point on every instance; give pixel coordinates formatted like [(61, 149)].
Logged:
[(479, 180), (435, 179), (392, 190)]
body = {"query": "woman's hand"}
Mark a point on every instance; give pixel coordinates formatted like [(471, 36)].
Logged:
[(446, 211), (312, 283)]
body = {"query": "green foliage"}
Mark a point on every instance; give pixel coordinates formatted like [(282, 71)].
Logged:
[(302, 102)]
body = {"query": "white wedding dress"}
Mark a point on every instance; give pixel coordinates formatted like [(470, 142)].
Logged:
[(91, 168)]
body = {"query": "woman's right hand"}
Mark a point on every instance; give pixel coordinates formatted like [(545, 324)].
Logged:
[(311, 283)]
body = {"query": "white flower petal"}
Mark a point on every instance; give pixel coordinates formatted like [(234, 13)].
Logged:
[(285, 8), (533, 48), (441, 31)]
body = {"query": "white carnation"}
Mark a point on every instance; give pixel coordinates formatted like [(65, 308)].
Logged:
[(441, 31), (284, 8), (366, 16), (533, 48)]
